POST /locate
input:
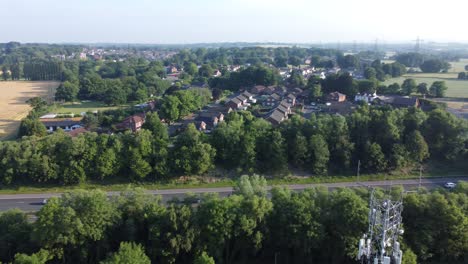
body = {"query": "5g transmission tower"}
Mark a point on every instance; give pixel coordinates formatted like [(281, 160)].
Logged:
[(380, 244)]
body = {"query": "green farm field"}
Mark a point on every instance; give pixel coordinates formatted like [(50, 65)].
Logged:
[(456, 88)]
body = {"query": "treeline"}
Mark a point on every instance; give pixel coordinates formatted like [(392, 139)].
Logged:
[(346, 84), (251, 55), (14, 52), (254, 75), (113, 83), (382, 139), (427, 63), (312, 226)]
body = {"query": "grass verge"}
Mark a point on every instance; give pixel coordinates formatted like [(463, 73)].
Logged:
[(202, 182)]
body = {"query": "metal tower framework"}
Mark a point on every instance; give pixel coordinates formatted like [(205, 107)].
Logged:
[(380, 244)]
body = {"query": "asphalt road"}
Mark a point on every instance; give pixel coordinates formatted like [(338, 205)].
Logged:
[(33, 202)]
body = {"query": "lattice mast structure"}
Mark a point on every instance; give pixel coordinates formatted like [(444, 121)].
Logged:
[(380, 244)]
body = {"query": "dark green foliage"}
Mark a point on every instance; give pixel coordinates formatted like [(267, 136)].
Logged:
[(67, 91), (128, 253), (432, 66), (438, 89), (14, 234), (311, 226)]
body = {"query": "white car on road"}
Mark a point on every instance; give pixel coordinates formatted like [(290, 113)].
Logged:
[(450, 185)]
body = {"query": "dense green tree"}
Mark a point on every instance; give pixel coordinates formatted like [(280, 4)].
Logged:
[(128, 253), (409, 86), (14, 234), (271, 155), (348, 62), (191, 68), (319, 155), (295, 227), (78, 219), (190, 154), (374, 158), (67, 91), (31, 127), (249, 186), (462, 76), (417, 146), (204, 258), (444, 134), (232, 226), (370, 73), (438, 89), (154, 124), (431, 66), (205, 71), (170, 108), (299, 150), (41, 257), (422, 88)]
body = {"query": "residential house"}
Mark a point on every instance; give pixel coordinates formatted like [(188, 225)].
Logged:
[(281, 90), (234, 103), (234, 68), (275, 117), (78, 131), (133, 123), (269, 90), (171, 69), (217, 73), (272, 100), (67, 124), (336, 97), (398, 101), (296, 91), (291, 98), (225, 110), (258, 89), (367, 98), (210, 119), (249, 97), (243, 99), (200, 125), (284, 109)]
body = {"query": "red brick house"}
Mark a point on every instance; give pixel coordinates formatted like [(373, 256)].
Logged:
[(133, 123)]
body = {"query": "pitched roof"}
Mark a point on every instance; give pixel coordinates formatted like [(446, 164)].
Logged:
[(236, 100), (275, 96), (220, 109), (247, 94), (59, 122), (242, 98), (291, 96), (285, 103), (282, 109), (405, 101), (337, 94), (76, 132), (399, 100), (276, 116)]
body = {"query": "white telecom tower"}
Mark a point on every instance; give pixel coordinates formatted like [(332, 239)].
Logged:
[(380, 244)]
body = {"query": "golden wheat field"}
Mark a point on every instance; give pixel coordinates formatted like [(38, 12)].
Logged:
[(13, 106)]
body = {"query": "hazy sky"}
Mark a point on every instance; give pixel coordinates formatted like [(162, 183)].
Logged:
[(193, 21)]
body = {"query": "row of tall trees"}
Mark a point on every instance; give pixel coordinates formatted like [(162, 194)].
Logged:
[(312, 226), (346, 84), (381, 138)]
